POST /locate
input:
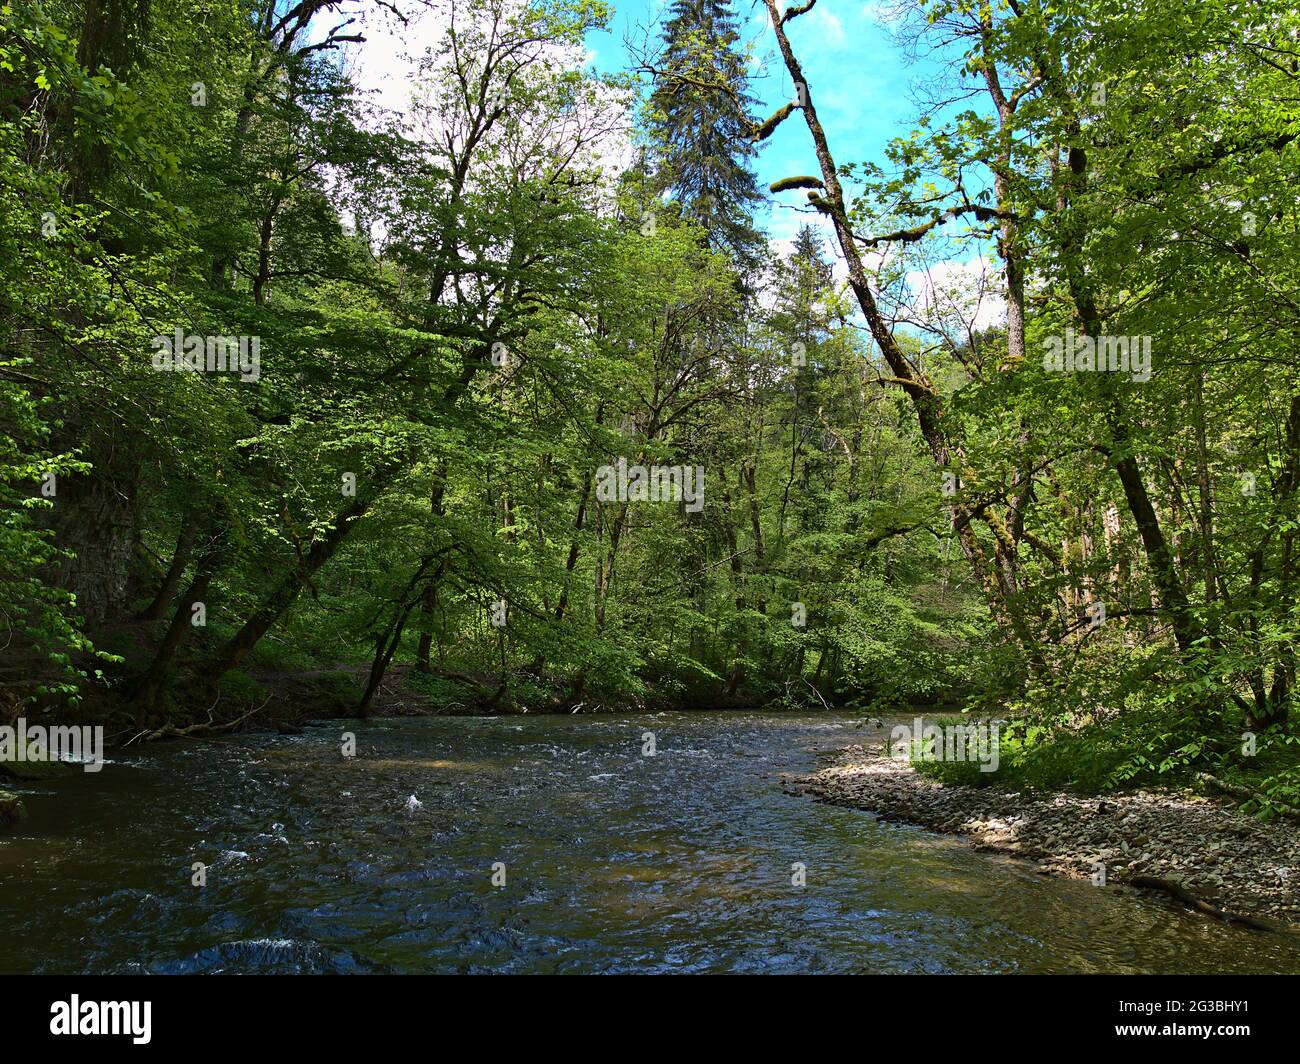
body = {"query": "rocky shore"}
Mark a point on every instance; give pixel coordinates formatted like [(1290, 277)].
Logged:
[(1231, 860)]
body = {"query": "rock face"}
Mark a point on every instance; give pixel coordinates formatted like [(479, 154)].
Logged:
[(1213, 850), (12, 809)]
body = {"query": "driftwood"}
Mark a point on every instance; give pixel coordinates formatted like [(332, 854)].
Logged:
[(818, 694), (209, 727), (1199, 904)]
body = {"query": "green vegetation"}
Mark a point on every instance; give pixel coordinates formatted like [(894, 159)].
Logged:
[(434, 347)]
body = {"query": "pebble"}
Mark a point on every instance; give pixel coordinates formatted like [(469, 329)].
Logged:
[(1209, 846)]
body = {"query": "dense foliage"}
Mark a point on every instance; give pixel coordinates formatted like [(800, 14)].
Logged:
[(449, 331)]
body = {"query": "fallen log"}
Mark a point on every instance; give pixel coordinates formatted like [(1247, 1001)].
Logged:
[(1199, 904)]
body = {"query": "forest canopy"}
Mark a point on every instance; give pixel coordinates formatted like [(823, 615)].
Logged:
[(508, 400)]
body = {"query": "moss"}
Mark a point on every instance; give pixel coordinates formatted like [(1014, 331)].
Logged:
[(801, 181), (769, 127), (12, 809), (241, 688), (31, 767)]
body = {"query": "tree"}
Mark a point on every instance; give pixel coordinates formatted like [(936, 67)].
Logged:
[(701, 118)]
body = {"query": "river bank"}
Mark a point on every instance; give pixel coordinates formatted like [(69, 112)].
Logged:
[(1233, 861)]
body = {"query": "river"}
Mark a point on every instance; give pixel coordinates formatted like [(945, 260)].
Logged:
[(613, 861)]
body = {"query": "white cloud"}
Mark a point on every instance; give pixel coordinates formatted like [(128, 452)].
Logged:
[(827, 26), (952, 291)]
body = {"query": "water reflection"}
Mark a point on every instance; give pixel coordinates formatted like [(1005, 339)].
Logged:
[(614, 862)]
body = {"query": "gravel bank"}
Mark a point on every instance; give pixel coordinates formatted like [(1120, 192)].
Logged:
[(1231, 860)]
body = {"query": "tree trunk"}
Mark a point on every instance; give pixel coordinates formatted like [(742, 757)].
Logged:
[(284, 594), (95, 520), (151, 683), (172, 579)]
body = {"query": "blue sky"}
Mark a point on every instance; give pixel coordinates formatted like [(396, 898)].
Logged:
[(860, 77)]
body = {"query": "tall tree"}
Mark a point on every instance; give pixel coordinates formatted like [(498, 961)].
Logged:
[(701, 116)]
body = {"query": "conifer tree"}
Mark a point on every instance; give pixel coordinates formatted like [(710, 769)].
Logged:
[(702, 118)]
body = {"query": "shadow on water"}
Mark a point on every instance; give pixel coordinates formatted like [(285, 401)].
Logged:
[(614, 862)]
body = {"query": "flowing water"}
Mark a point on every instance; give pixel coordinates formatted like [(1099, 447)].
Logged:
[(613, 862)]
